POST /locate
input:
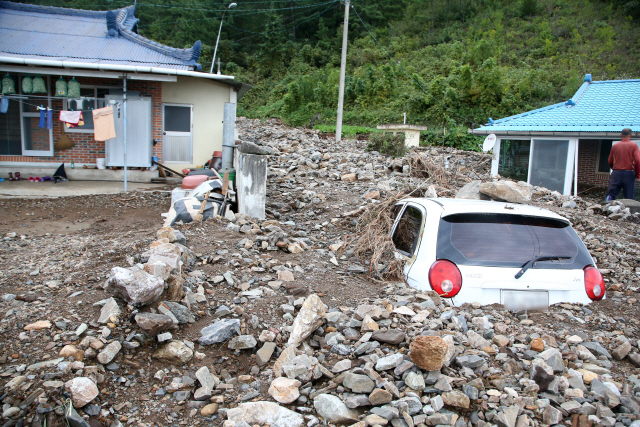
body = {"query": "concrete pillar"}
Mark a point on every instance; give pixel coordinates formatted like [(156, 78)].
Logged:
[(251, 184)]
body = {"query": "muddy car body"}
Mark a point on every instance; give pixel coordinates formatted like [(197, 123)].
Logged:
[(494, 253)]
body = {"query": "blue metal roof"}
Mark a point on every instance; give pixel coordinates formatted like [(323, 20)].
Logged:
[(55, 33), (601, 106)]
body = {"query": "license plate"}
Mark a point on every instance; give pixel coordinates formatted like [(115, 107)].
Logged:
[(525, 300)]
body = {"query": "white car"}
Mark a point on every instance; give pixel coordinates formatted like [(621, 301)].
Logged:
[(523, 257)]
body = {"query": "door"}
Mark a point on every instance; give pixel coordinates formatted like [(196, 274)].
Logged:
[(551, 164), (177, 133), (139, 132)]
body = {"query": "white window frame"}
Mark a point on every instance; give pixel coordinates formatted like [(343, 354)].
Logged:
[(164, 133), (65, 105), (572, 157), (23, 115)]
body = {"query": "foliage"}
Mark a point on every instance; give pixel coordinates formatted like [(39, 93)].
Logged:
[(347, 130), (388, 143), (448, 65), (452, 136)]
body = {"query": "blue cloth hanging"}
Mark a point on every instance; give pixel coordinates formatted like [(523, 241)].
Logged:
[(4, 105), (49, 118), (42, 123)]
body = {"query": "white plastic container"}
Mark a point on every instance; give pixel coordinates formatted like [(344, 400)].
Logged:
[(100, 163)]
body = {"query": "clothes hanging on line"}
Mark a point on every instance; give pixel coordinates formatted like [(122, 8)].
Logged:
[(46, 118), (71, 117), (4, 104), (103, 126), (80, 123)]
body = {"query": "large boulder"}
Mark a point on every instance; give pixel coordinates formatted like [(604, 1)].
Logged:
[(265, 413), (428, 352), (471, 191), (508, 191), (309, 318), (135, 286)]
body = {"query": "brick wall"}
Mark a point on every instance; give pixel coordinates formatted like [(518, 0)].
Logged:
[(87, 149), (588, 151)]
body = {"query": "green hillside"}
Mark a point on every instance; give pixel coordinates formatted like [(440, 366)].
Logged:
[(449, 64)]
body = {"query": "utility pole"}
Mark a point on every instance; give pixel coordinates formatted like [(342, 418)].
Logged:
[(343, 68)]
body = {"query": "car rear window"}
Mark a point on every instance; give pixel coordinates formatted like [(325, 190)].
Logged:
[(507, 240)]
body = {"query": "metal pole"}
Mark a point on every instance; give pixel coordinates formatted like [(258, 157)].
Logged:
[(213, 61), (343, 68), (124, 111)]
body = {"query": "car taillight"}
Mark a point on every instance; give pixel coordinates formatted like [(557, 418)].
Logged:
[(445, 278), (593, 283)]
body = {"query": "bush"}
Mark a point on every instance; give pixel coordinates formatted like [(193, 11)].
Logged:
[(389, 144), (347, 130)]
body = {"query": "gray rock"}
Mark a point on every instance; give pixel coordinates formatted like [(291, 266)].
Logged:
[(470, 361), (597, 349), (308, 319), (415, 381), (108, 310), (551, 416), (389, 336), (471, 191), (242, 342), (352, 400), (622, 350), (135, 286), (264, 354), (182, 313), (334, 410), (358, 383), (153, 324), (389, 362), (508, 417), (264, 413), (220, 331), (508, 191), (109, 352)]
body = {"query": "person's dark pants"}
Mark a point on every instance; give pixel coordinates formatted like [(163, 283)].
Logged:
[(621, 179)]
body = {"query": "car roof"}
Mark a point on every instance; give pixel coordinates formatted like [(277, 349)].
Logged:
[(457, 206)]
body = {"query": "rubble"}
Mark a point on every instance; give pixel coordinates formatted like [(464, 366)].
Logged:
[(276, 324)]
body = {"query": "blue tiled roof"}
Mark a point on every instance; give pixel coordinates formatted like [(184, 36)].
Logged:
[(600, 106), (55, 33)]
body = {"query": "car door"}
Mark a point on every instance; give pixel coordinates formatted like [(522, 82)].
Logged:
[(407, 234)]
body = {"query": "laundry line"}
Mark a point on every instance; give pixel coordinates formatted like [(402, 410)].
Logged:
[(41, 107)]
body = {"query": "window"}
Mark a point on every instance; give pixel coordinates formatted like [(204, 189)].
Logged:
[(177, 141), (514, 159), (502, 240), (407, 233), (90, 98), (603, 159), (10, 135)]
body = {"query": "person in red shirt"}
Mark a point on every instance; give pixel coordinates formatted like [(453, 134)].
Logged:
[(624, 161)]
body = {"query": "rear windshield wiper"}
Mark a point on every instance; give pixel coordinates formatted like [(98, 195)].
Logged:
[(527, 265)]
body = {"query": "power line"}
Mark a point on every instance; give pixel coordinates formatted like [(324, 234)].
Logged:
[(266, 25), (407, 72), (247, 13), (286, 29), (234, 11)]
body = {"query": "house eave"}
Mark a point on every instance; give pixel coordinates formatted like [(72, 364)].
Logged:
[(514, 133)]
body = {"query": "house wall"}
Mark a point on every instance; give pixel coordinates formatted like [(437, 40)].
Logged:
[(87, 149), (588, 151), (208, 98)]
